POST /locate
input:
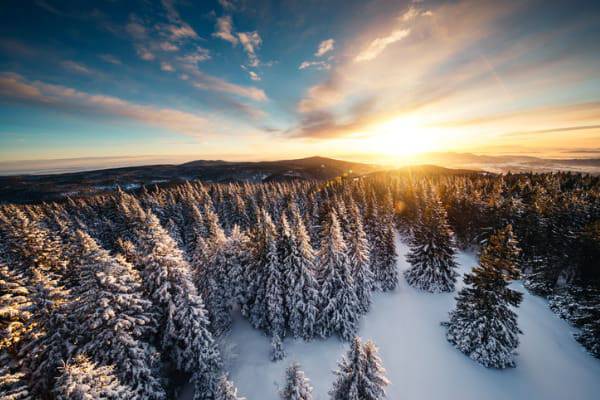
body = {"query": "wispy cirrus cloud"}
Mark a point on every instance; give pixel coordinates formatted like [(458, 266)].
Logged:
[(314, 64), (379, 44), (229, 5), (152, 43), (325, 47), (77, 67), (449, 80), (224, 30), (14, 87), (109, 58), (177, 28), (167, 67), (251, 42)]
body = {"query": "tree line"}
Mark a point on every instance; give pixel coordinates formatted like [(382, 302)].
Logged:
[(132, 291)]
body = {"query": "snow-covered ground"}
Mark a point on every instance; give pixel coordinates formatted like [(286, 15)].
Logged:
[(419, 361)]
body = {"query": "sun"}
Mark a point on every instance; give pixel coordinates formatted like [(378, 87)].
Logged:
[(402, 136)]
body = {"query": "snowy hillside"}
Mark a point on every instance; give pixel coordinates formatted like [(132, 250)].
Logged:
[(420, 363)]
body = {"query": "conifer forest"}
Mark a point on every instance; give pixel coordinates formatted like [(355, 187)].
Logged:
[(127, 295)]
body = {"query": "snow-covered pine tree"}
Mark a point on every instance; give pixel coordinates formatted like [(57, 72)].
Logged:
[(218, 303), (214, 230), (81, 379), (114, 319), (225, 280), (297, 386), (359, 253), (360, 374), (375, 381), (264, 253), (431, 250), (301, 287), (483, 325), (186, 337), (349, 374), (51, 337), (15, 308), (340, 308), (13, 381), (226, 390), (279, 252), (386, 273), (277, 352), (28, 245)]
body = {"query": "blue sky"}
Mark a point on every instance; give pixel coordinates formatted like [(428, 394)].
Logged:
[(263, 80)]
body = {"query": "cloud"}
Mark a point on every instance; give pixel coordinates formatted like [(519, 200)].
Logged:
[(177, 28), (15, 87), (229, 5), (251, 41), (425, 86), (204, 81), (199, 55), (320, 65), (254, 76), (187, 63), (224, 30), (168, 46), (207, 82), (321, 96), (324, 47), (379, 44), (76, 67), (135, 28), (165, 66), (145, 54), (109, 58)]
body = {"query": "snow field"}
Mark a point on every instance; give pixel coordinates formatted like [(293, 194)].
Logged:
[(420, 363)]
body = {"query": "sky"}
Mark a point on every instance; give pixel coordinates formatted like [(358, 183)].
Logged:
[(369, 81)]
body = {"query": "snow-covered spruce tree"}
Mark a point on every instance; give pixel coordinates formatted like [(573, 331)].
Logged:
[(13, 381), (339, 308), (301, 287), (185, 334), (225, 280), (483, 325), (206, 248), (264, 253), (581, 307), (349, 374), (275, 290), (114, 319), (226, 390), (297, 385), (383, 262), (81, 379), (216, 292), (277, 352), (15, 308), (375, 381), (360, 374), (359, 253), (51, 338), (29, 245), (431, 250)]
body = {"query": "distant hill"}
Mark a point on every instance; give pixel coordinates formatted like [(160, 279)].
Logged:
[(35, 188), (48, 187)]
